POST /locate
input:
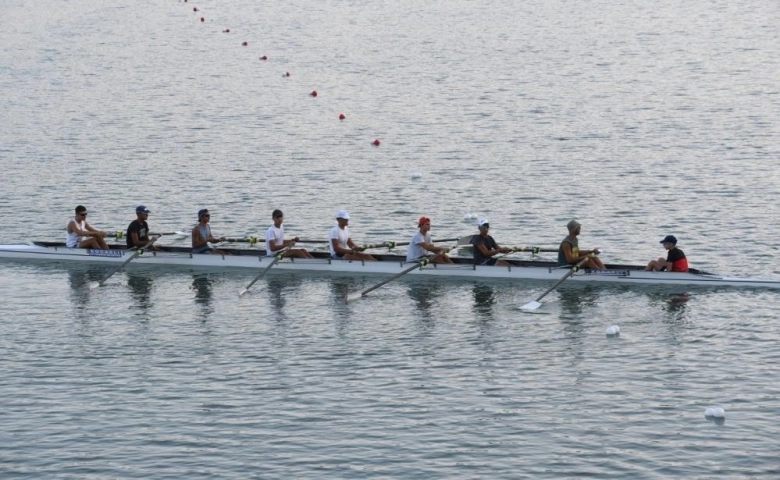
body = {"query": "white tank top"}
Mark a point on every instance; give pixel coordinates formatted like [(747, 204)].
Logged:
[(71, 239)]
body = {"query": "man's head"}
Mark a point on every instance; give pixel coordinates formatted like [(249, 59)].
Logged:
[(483, 225), (574, 227), (342, 217), (142, 212)]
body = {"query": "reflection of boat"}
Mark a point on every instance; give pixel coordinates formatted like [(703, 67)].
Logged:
[(388, 265)]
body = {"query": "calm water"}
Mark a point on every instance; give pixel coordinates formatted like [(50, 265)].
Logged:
[(639, 120)]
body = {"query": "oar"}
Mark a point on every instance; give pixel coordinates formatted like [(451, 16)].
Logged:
[(260, 275), (119, 234), (392, 245), (254, 240), (122, 265), (531, 306), (418, 264)]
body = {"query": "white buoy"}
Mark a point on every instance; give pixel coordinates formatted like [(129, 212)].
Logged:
[(469, 217), (613, 331), (715, 412), (415, 176)]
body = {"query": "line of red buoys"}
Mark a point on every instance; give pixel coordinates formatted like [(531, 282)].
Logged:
[(313, 93)]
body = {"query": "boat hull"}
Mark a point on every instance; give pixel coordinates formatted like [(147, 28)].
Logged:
[(389, 265)]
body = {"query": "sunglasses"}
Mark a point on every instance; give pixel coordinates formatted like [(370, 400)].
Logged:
[(83, 214)]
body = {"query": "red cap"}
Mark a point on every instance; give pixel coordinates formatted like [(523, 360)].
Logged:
[(423, 220)]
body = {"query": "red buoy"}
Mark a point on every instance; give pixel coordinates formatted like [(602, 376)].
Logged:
[(202, 19), (194, 9), (245, 44), (377, 142), (313, 93), (287, 74), (227, 30), (263, 58), (342, 116)]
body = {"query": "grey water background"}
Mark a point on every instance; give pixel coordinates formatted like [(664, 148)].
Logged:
[(639, 119)]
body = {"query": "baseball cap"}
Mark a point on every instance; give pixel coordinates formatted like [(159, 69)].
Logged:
[(202, 212), (342, 214), (277, 213), (670, 239), (573, 225), (141, 209), (483, 223), (423, 220)]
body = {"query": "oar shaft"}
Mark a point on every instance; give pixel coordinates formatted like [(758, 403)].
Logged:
[(397, 275), (260, 275), (571, 272), (130, 259), (262, 240)]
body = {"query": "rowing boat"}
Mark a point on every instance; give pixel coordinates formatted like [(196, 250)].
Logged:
[(388, 264)]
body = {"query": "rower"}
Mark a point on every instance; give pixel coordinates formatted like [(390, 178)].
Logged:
[(341, 245), (78, 228), (569, 252), (138, 230), (422, 243), (486, 248), (275, 242), (675, 260), (201, 235)]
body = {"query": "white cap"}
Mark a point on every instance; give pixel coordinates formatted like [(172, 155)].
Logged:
[(482, 221), (342, 214)]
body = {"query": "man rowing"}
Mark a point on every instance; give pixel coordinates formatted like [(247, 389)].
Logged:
[(341, 245), (201, 235), (275, 242), (80, 234), (569, 252), (486, 248), (138, 230), (422, 246), (675, 260)]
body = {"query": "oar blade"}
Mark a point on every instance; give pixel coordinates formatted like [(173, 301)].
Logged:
[(354, 297), (242, 292), (531, 306), (94, 285)]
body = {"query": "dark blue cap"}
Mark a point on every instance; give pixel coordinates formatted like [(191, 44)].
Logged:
[(202, 212), (141, 209), (669, 239)]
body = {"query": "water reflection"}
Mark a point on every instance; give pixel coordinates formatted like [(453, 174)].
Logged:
[(202, 286), (484, 299), (276, 286), (574, 300), (425, 295)]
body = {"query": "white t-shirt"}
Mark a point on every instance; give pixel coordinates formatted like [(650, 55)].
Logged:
[(342, 234), (275, 234), (416, 250)]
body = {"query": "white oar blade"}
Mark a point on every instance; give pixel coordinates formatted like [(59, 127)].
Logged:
[(94, 285), (242, 292), (531, 306), (353, 297)]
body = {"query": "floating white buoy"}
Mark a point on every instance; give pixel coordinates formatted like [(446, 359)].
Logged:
[(469, 217), (415, 176), (613, 331), (715, 412)]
